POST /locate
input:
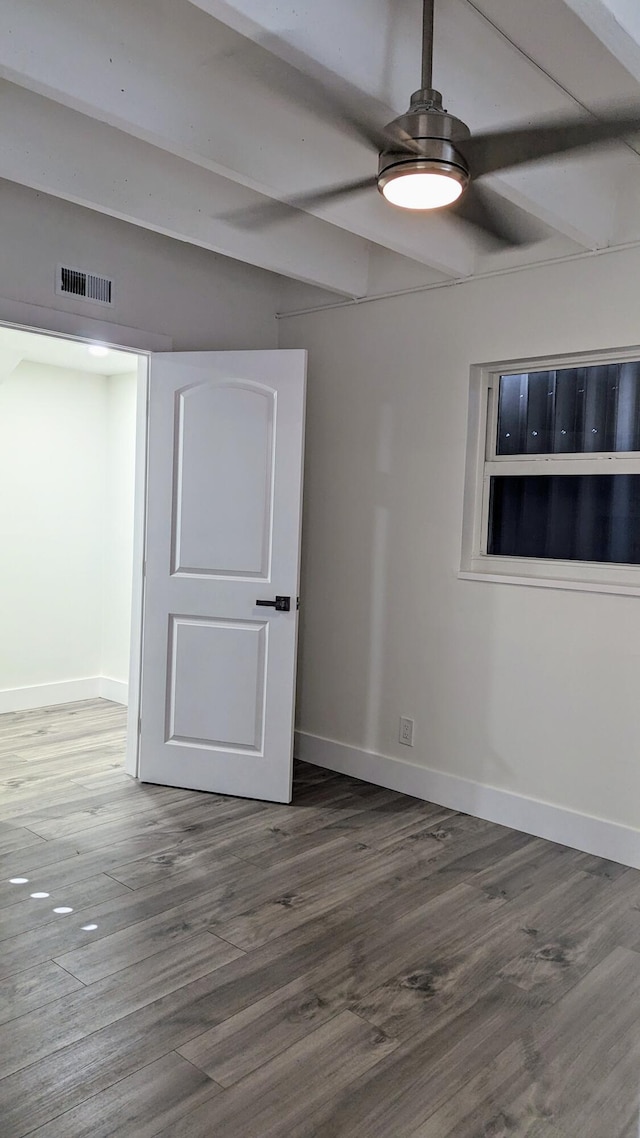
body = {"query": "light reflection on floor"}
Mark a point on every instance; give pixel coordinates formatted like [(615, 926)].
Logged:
[(60, 909)]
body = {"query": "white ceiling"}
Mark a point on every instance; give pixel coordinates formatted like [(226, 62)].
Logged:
[(16, 346), (171, 113)]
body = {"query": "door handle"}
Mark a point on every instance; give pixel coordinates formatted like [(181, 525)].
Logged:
[(281, 604)]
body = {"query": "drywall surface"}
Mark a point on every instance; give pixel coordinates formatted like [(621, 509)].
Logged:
[(119, 487), (201, 300), (67, 455), (532, 691), (52, 464)]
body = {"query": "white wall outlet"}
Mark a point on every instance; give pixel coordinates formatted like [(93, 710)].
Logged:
[(406, 731)]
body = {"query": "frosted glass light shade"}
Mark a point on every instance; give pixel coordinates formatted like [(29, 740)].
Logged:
[(422, 190)]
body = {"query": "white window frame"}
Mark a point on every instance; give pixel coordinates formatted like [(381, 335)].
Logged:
[(483, 462)]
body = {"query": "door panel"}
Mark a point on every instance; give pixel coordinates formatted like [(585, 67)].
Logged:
[(225, 438), (223, 531), (229, 657)]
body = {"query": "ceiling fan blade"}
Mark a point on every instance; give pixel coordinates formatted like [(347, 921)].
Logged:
[(271, 212), (498, 227), (499, 150)]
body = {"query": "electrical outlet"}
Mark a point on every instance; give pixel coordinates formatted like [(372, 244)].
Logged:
[(406, 731)]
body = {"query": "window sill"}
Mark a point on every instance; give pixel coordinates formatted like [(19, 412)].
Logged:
[(538, 576)]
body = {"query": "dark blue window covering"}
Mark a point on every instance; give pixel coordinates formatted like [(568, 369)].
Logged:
[(570, 411), (583, 517)]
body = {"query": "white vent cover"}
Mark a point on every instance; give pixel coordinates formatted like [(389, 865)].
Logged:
[(81, 283)]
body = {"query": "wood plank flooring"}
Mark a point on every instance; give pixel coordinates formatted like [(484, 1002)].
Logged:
[(359, 964)]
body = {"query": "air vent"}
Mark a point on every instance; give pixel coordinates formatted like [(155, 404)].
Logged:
[(81, 283)]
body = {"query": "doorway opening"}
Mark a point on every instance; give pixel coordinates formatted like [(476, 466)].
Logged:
[(214, 487), (68, 438)]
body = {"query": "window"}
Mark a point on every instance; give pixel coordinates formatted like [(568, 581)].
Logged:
[(553, 479)]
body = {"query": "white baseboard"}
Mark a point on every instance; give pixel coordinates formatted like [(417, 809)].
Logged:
[(115, 690), (541, 819), (65, 691)]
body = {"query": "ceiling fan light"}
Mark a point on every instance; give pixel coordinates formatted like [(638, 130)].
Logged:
[(422, 186), (422, 191)]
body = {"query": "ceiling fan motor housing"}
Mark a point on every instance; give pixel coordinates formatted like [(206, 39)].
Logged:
[(435, 133)]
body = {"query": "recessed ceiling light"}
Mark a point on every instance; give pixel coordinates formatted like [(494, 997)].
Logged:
[(98, 350)]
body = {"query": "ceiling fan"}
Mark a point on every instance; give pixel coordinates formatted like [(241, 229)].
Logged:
[(429, 160)]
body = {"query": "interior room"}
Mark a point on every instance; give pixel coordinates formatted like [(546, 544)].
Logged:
[(361, 857), (67, 463)]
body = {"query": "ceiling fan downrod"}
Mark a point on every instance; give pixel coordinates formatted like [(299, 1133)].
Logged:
[(427, 99), (427, 44)]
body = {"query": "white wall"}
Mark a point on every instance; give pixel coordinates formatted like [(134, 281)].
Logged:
[(52, 462), (200, 299), (119, 473), (532, 691), (67, 453)]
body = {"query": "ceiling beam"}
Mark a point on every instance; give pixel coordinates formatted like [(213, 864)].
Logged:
[(616, 24), (188, 85), (550, 189), (58, 150), (544, 40), (376, 49), (558, 23), (485, 80), (491, 84), (163, 73)]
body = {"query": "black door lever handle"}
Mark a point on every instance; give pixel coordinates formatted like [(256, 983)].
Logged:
[(281, 604)]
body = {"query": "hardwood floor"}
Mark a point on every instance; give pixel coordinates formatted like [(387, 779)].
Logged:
[(356, 965)]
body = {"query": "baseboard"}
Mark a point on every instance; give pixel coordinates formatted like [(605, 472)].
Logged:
[(115, 690), (541, 819), (64, 691)]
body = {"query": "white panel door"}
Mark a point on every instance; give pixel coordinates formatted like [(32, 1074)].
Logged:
[(224, 487)]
